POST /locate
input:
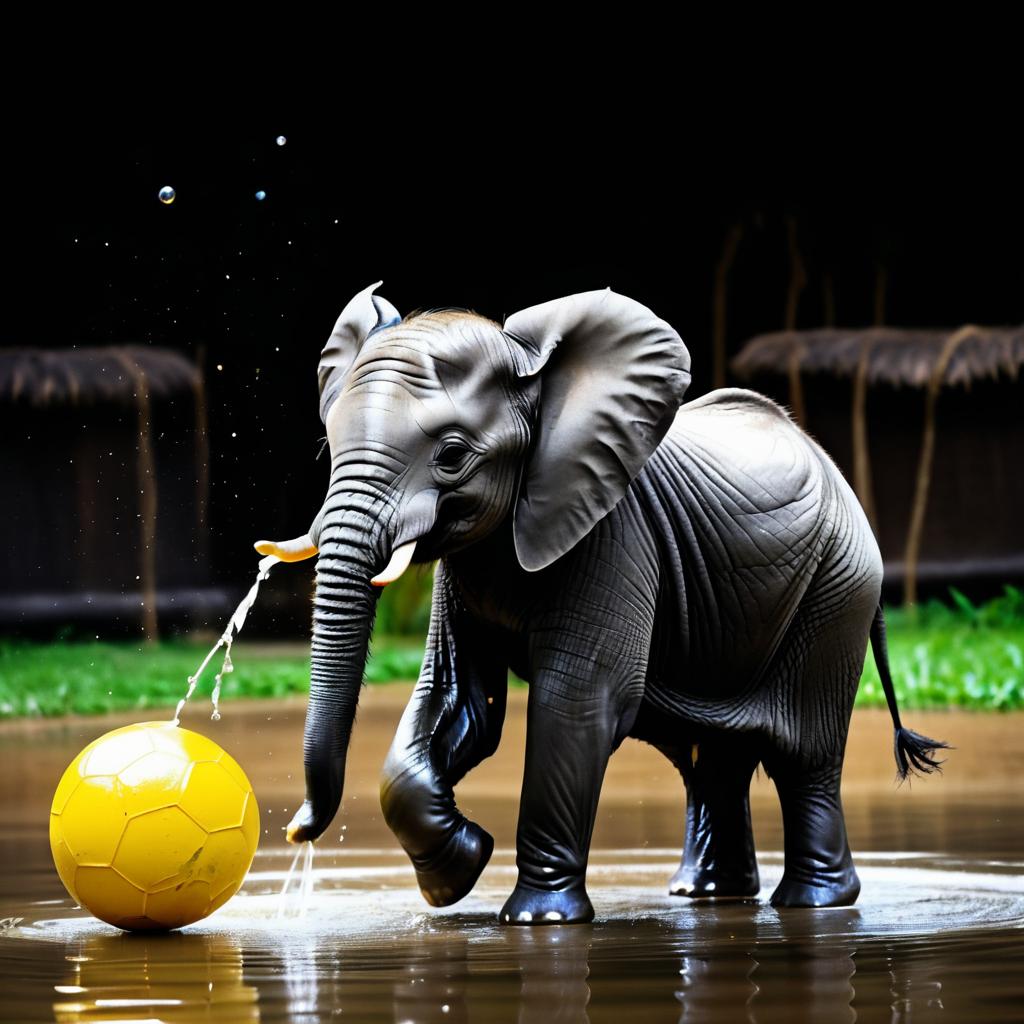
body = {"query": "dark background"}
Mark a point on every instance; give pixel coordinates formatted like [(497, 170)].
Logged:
[(493, 221)]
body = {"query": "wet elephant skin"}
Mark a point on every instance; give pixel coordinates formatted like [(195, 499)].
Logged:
[(698, 576)]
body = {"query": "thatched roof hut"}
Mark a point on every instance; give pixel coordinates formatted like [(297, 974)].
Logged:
[(871, 397), (896, 356), (96, 454), (90, 376)]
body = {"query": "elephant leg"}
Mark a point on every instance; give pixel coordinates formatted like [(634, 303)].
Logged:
[(452, 722), (818, 673), (819, 869), (718, 856), (571, 733)]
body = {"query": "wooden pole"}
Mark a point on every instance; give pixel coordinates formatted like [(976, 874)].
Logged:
[(828, 299), (797, 275), (862, 484), (861, 456), (881, 284), (145, 471), (796, 384), (797, 282), (718, 312), (924, 467)]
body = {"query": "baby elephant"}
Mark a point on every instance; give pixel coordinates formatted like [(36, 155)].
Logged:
[(697, 576)]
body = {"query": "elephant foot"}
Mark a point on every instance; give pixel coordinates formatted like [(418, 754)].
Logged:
[(450, 875), (534, 906), (839, 888), (701, 883)]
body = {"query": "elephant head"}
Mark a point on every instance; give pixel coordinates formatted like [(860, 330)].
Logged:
[(443, 427)]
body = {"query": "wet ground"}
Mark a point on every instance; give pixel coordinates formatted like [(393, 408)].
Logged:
[(937, 934)]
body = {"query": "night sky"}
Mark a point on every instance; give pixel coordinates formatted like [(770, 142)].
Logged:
[(493, 222)]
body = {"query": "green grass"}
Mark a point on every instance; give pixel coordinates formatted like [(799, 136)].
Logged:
[(954, 655), (947, 655), (93, 678)]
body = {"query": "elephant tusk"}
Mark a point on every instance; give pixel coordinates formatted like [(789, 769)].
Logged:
[(294, 550), (400, 559)]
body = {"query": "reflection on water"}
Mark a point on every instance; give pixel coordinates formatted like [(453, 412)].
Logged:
[(936, 935), (931, 937), (175, 978)]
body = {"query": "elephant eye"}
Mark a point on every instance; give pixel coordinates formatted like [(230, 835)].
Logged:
[(450, 455)]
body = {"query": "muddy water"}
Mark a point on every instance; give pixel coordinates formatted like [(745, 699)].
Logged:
[(937, 934)]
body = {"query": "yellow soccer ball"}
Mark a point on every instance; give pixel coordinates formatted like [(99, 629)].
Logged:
[(153, 826)]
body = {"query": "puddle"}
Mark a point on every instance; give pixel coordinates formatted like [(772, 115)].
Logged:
[(936, 935)]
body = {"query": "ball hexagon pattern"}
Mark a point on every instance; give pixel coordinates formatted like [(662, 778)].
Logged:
[(153, 826)]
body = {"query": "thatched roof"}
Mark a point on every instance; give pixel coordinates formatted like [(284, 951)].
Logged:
[(896, 356), (72, 376)]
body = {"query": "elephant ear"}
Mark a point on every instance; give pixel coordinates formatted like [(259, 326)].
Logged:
[(612, 376), (365, 314)]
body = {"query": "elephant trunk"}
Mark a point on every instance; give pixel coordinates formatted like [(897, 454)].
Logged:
[(343, 612)]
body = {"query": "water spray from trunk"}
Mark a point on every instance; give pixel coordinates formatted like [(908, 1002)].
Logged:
[(234, 627)]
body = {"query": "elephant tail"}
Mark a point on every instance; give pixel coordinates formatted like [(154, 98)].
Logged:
[(912, 750)]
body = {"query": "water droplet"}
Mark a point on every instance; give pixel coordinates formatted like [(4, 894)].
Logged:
[(280, 140), (166, 195), (261, 195)]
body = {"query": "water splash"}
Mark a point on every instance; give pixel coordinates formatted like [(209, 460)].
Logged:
[(307, 881), (282, 903), (305, 889), (227, 638)]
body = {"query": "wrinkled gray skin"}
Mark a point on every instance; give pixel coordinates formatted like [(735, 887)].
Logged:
[(701, 578)]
